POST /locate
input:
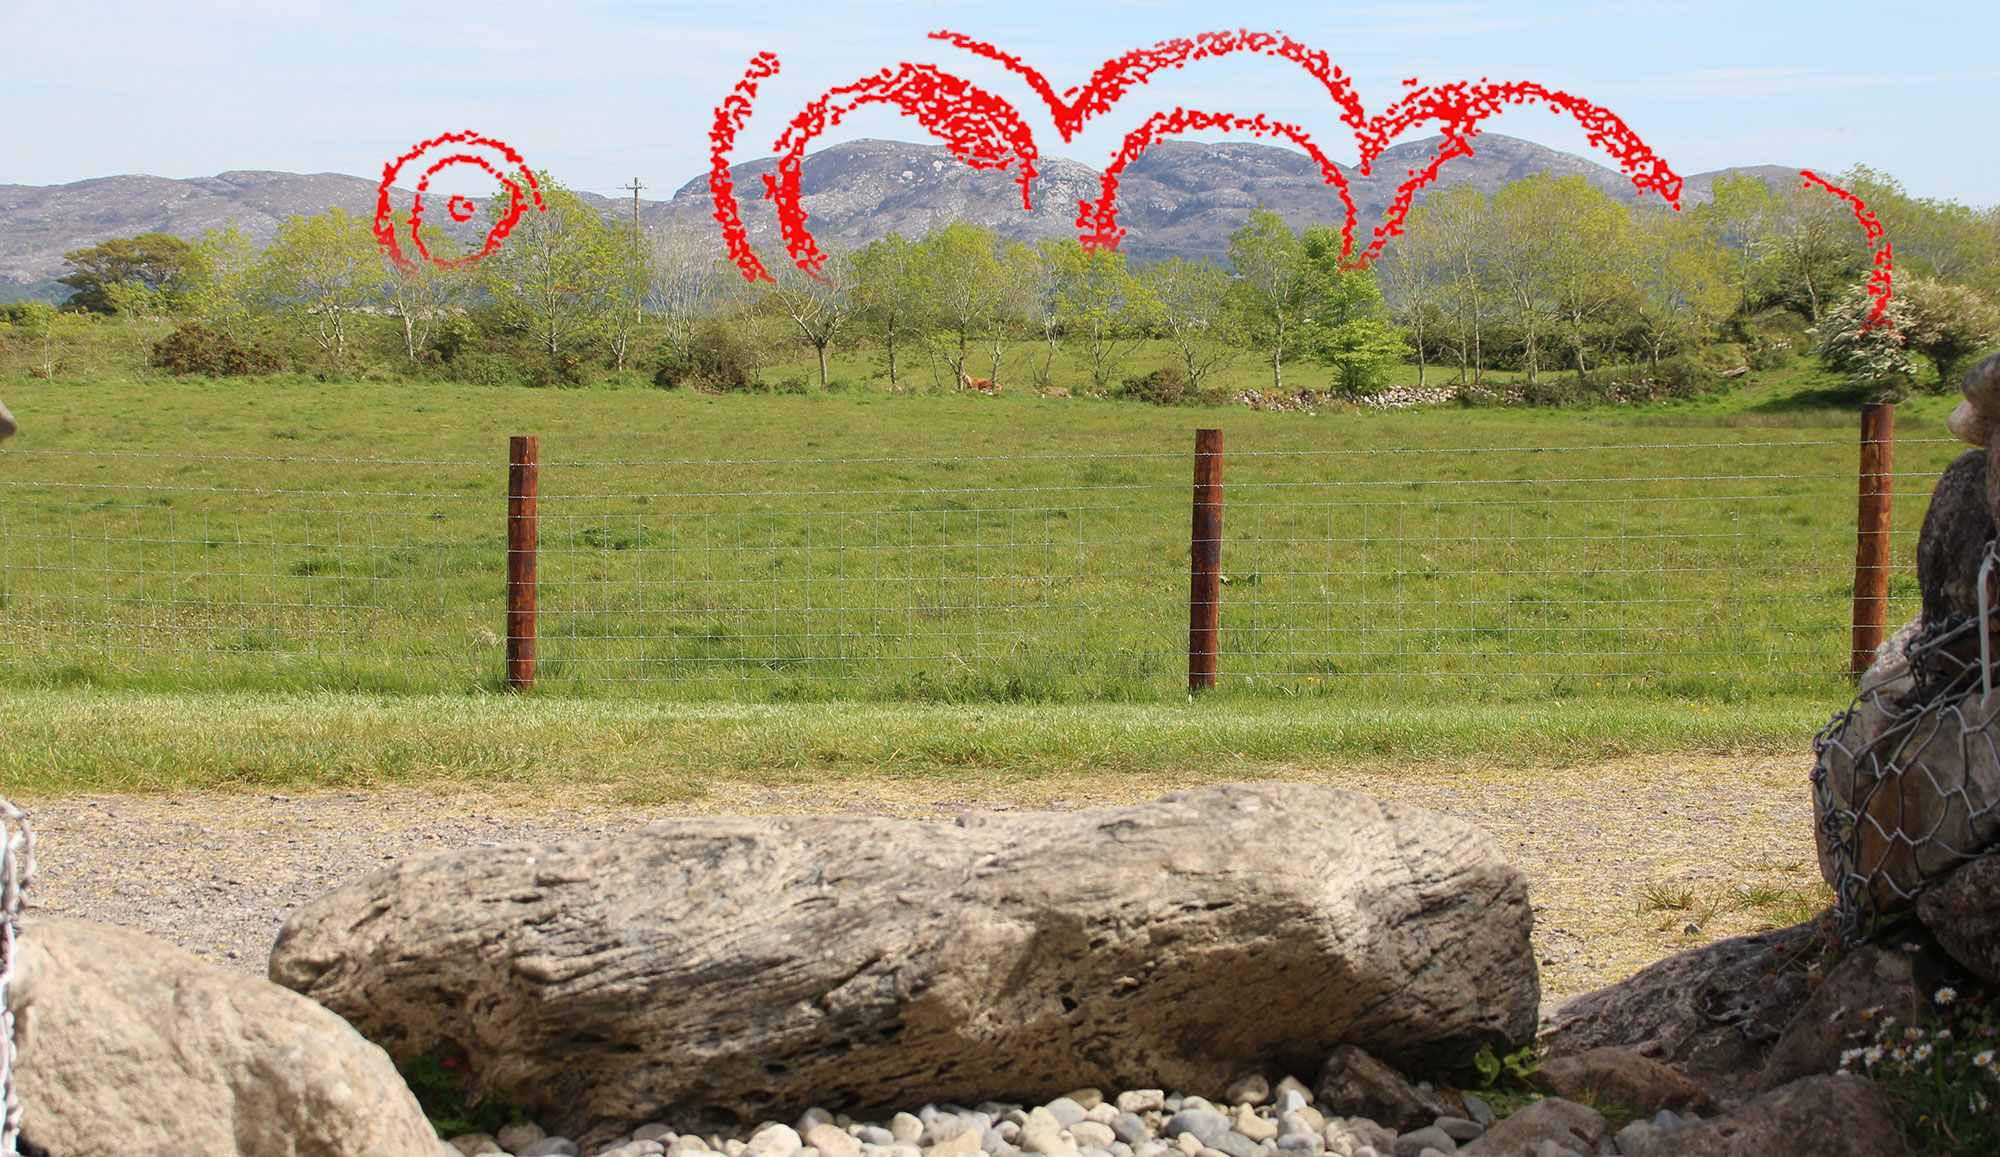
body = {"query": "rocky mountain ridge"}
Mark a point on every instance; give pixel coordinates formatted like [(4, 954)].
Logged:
[(1182, 198)]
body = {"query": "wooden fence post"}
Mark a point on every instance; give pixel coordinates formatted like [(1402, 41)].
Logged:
[(522, 488), (1871, 549), (1205, 561)]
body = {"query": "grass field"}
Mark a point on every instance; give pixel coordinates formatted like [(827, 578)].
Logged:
[(198, 557)]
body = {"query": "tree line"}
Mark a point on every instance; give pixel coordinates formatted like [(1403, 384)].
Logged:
[(1547, 281)]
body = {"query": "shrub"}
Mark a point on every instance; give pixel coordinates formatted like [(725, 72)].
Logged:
[(715, 359), (1169, 386), (555, 370), (195, 349)]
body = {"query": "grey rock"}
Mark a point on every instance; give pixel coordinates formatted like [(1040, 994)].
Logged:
[(1478, 1110), (1823, 1116), (1370, 1132), (514, 1138), (1870, 980), (1248, 1089), (550, 1147), (1066, 1111), (805, 1123), (1413, 1143), (1459, 1129), (1203, 1123), (875, 1135), (1622, 1077), (1666, 1121), (1548, 1148), (1356, 1084), (1957, 526), (125, 1040), (1963, 912), (1093, 1135), (1710, 1012), (1234, 1144), (1565, 1124), (1131, 1128), (942, 1127), (476, 1144), (725, 964), (1639, 1139), (906, 1128), (1141, 1101)]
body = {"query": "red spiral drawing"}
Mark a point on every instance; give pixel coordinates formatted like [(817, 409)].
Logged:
[(513, 173)]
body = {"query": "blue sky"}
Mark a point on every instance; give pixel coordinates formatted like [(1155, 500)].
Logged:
[(600, 93)]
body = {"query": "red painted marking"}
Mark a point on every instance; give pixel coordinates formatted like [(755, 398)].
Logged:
[(986, 132), (729, 118), (517, 199), (461, 208), (1881, 277)]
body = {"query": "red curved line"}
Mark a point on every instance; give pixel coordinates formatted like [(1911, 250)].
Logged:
[(385, 219), (1114, 77), (978, 127), (729, 118), (1099, 219), (1882, 275), (1460, 107), (494, 236)]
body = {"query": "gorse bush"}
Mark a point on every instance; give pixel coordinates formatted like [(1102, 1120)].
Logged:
[(1168, 386), (715, 359), (195, 349)]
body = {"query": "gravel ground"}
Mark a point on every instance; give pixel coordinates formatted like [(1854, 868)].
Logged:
[(1603, 844)]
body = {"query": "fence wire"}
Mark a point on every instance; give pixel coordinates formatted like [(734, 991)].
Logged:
[(1682, 566)]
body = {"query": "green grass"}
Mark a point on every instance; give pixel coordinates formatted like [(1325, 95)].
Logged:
[(68, 740), (290, 535)]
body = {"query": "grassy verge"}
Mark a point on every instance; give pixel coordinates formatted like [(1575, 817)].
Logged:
[(85, 740)]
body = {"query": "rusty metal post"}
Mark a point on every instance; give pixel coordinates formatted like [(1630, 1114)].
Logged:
[(522, 489), (1872, 524), (1205, 561)]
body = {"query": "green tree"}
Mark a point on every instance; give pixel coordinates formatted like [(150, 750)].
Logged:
[(321, 271), (559, 277), (819, 307), (143, 273), (1810, 250), (221, 281), (1190, 305), (424, 294), (1102, 305), (1448, 240), (1269, 289), (887, 299), (1686, 281), (1342, 318), (1562, 249), (1948, 324), (686, 279), (953, 269)]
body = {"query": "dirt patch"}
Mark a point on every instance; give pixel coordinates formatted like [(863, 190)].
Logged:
[(1622, 857)]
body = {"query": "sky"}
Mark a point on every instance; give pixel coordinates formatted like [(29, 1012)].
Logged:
[(600, 93)]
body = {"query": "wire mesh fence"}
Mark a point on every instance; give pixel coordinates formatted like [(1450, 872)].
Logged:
[(1690, 567)]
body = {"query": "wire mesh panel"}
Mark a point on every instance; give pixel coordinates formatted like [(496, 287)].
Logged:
[(1671, 564)]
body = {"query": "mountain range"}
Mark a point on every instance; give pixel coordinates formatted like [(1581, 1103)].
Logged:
[(1181, 198)]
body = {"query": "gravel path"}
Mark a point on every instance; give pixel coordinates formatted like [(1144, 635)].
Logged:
[(218, 873)]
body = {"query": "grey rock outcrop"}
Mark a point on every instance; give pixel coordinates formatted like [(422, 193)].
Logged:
[(732, 969), (132, 1046), (1824, 1116), (1963, 912), (1710, 1012), (1565, 1123)]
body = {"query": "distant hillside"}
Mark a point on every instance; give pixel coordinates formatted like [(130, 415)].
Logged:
[(1181, 199)]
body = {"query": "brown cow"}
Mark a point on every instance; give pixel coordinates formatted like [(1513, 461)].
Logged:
[(983, 385)]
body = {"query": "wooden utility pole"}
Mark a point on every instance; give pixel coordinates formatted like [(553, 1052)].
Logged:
[(1872, 525), (638, 299)]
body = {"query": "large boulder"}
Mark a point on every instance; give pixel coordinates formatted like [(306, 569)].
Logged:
[(735, 969), (1710, 1012), (1906, 786), (1963, 912), (131, 1046)]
